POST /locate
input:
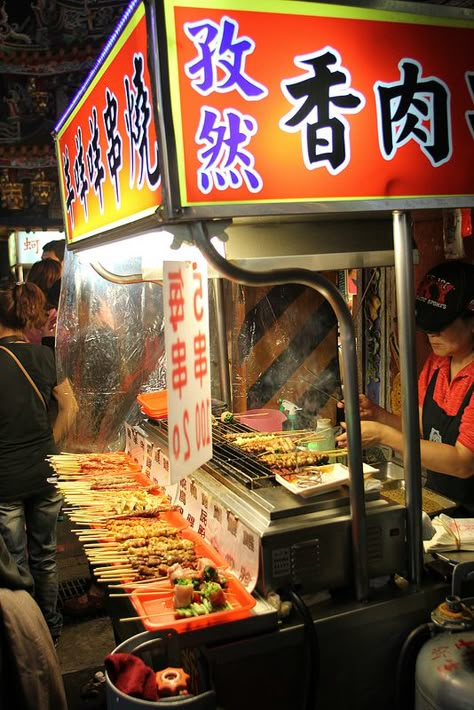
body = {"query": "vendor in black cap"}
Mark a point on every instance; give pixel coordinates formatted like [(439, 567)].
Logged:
[(445, 312)]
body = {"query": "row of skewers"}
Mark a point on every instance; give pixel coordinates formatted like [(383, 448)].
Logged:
[(99, 486), (284, 452), (133, 537)]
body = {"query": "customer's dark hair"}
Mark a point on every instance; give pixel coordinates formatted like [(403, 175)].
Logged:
[(58, 246), (22, 305), (44, 273)]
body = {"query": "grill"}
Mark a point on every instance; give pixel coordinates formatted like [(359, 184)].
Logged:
[(303, 541), (230, 461)]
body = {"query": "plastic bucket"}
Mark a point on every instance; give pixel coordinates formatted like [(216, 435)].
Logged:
[(263, 419), (158, 649)]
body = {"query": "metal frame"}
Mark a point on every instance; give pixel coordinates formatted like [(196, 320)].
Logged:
[(351, 399), (410, 417)]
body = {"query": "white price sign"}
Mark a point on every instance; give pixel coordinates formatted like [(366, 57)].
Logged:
[(188, 377)]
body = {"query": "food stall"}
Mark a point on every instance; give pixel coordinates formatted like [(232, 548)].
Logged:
[(190, 128)]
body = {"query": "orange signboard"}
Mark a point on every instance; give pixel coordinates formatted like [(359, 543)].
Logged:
[(279, 102), (106, 144)]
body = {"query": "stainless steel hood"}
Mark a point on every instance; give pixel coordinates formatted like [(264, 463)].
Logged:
[(316, 244)]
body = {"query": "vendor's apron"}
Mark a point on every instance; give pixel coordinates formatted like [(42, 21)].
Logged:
[(439, 426)]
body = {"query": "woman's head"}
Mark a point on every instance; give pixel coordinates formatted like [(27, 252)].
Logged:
[(45, 273), (445, 308), (445, 294), (22, 306), (456, 340)]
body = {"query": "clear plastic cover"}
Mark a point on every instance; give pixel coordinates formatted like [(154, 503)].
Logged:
[(110, 345)]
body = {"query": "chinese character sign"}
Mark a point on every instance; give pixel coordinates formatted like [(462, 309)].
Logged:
[(283, 102), (29, 245), (107, 147), (185, 299)]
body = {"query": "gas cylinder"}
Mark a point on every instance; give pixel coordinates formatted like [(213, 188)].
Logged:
[(444, 675)]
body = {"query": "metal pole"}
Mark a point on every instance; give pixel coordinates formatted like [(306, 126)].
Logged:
[(410, 416), (224, 374), (315, 280)]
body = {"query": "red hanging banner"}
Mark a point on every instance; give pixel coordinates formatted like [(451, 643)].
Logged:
[(107, 147), (300, 102)]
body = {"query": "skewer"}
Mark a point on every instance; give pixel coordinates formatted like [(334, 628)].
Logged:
[(160, 592), (119, 575), (249, 415), (259, 434), (146, 616), (105, 538), (106, 562), (167, 613), (334, 452), (93, 532), (141, 583), (107, 548)]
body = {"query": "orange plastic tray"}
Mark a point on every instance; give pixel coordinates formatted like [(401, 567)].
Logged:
[(154, 404), (158, 611)]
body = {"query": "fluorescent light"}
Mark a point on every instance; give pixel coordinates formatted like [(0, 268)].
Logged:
[(153, 248)]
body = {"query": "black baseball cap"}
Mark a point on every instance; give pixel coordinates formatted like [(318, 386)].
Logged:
[(445, 293)]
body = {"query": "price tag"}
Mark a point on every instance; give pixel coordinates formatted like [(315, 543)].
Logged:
[(135, 444), (186, 309)]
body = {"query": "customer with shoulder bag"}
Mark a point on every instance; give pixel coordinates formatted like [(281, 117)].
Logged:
[(29, 505)]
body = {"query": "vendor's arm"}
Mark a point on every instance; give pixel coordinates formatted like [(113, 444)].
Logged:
[(67, 409), (370, 411), (455, 460)]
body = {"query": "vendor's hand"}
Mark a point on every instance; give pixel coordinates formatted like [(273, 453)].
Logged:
[(367, 409), (371, 435)]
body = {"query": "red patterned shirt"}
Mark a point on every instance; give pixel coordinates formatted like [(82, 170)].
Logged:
[(450, 395)]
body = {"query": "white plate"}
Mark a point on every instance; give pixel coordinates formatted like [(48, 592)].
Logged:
[(332, 476)]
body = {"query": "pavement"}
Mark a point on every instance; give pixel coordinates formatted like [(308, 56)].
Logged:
[(84, 642)]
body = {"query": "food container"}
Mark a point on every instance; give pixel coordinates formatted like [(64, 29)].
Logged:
[(154, 404), (158, 611), (159, 650), (263, 419), (330, 477), (324, 436)]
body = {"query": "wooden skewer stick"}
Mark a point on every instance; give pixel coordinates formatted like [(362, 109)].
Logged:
[(163, 613), (141, 583), (107, 546), (262, 434), (103, 538), (146, 616), (106, 562), (249, 415), (115, 554), (157, 592), (334, 452)]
